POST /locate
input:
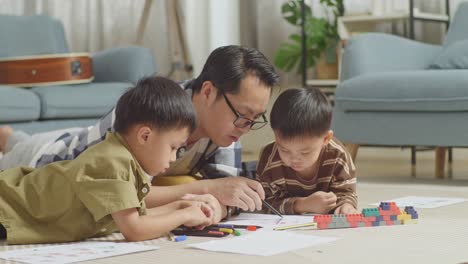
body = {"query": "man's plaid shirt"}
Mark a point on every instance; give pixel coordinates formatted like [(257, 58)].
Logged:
[(203, 158)]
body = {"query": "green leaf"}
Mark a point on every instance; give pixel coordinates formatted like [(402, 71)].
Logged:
[(320, 33), (291, 11), (287, 56), (295, 38)]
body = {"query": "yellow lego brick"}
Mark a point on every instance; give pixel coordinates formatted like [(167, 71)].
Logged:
[(409, 221)]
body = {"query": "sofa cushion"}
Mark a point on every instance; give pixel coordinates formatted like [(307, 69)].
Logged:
[(31, 35), (454, 56), (418, 91), (18, 104), (79, 101)]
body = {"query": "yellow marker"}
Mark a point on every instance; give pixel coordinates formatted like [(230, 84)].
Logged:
[(310, 225), (170, 236), (226, 230)]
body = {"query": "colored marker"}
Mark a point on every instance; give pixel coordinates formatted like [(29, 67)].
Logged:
[(226, 230), (180, 238)]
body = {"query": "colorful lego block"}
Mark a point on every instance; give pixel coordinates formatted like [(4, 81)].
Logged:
[(386, 214), (370, 211)]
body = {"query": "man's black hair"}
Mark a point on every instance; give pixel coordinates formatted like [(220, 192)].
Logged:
[(227, 66)]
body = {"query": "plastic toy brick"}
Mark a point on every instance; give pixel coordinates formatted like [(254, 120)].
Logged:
[(370, 212), (388, 213)]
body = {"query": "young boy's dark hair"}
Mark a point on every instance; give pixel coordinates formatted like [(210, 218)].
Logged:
[(227, 66), (157, 102), (301, 112)]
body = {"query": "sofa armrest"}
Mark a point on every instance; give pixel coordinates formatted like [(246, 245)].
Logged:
[(127, 64), (378, 52)]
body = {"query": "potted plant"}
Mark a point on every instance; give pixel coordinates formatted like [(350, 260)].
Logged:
[(321, 35)]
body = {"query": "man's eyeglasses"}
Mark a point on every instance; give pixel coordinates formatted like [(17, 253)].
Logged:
[(243, 122)]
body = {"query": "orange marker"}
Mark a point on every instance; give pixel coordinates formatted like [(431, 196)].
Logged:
[(252, 228)]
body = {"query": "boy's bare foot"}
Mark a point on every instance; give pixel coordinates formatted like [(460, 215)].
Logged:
[(5, 132)]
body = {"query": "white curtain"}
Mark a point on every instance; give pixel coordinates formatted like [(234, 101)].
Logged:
[(95, 25), (210, 24)]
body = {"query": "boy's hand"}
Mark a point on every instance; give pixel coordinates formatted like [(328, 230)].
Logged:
[(240, 192), (346, 208), (210, 201), (198, 214), (318, 202)]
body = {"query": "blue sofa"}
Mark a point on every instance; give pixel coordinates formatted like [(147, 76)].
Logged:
[(44, 108), (391, 94)]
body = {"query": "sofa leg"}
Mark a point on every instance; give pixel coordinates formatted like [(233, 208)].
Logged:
[(353, 149), (413, 161), (440, 162)]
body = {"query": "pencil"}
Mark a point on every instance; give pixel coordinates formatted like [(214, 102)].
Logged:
[(272, 209), (295, 226), (232, 226)]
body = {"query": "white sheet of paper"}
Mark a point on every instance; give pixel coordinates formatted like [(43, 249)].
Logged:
[(269, 221), (424, 202), (74, 252), (263, 243)]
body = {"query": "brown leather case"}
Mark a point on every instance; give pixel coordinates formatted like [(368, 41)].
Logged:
[(54, 69)]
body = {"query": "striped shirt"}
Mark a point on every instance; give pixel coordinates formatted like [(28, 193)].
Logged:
[(335, 173), (203, 158)]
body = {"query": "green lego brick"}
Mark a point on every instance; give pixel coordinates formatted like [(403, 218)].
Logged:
[(370, 212)]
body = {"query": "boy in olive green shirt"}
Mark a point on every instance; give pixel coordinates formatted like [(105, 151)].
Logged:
[(107, 187)]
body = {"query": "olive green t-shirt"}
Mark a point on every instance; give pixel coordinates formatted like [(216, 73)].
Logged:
[(72, 200)]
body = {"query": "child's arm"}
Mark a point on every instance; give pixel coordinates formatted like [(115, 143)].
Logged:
[(159, 221), (276, 195), (319, 202), (218, 209), (230, 191), (273, 183), (343, 184)]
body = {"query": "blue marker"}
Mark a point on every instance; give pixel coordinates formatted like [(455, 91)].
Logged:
[(180, 238)]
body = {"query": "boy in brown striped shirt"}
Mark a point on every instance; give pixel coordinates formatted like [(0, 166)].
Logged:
[(306, 169)]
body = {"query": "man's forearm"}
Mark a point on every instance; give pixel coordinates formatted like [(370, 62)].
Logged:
[(160, 195)]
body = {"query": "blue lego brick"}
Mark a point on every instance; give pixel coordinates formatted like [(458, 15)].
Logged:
[(409, 209), (385, 206)]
